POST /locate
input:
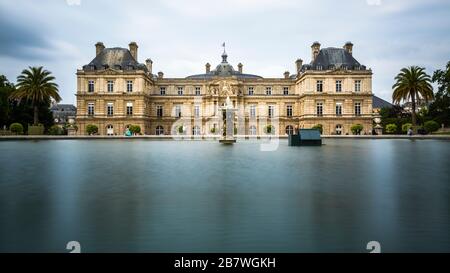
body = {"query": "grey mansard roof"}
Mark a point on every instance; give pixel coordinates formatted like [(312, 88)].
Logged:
[(331, 58), (115, 58), (378, 102), (224, 69), (63, 107)]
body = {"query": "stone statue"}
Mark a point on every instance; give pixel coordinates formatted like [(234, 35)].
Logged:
[(228, 103)]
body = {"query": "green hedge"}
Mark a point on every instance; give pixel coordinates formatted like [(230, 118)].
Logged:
[(356, 129), (391, 128), (16, 128), (406, 127), (36, 130), (135, 129), (91, 129), (431, 126), (269, 129), (318, 127), (56, 130)]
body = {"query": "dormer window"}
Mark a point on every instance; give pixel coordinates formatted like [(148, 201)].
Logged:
[(162, 90), (118, 67)]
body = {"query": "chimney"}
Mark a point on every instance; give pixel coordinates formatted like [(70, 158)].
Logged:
[(160, 75), (348, 47), (208, 67), (286, 75), (240, 67), (298, 64), (99, 46), (133, 49), (315, 48), (149, 64)]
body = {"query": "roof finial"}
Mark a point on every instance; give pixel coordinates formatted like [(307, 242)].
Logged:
[(224, 54)]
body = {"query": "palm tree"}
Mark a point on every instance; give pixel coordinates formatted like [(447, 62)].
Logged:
[(36, 85), (412, 83)]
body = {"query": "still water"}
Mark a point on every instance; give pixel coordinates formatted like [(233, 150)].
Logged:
[(200, 196)]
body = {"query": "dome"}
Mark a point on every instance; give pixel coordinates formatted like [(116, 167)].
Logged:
[(224, 69)]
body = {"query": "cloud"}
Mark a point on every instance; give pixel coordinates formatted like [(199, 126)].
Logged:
[(181, 36), (373, 2), (19, 41), (209, 8), (73, 2)]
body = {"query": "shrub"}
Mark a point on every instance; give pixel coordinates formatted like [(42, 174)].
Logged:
[(356, 129), (180, 129), (318, 127), (135, 129), (391, 128), (406, 127), (55, 130), (269, 129), (431, 126), (91, 129), (16, 128), (36, 129)]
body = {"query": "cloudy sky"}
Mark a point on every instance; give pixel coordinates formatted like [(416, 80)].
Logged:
[(180, 36)]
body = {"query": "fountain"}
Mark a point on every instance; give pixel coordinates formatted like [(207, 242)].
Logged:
[(228, 112)]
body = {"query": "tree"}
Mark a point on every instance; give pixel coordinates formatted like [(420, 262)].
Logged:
[(135, 129), (91, 129), (431, 126), (6, 88), (56, 130), (356, 129), (406, 127), (440, 107), (16, 128), (318, 127), (412, 83), (391, 128), (36, 85), (269, 129)]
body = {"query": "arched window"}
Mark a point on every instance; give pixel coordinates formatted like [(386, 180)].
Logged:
[(338, 129), (196, 130), (252, 130), (159, 130), (289, 130), (110, 130)]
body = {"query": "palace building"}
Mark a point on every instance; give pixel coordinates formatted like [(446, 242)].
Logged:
[(114, 91)]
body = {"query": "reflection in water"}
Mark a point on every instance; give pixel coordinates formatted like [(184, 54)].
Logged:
[(167, 196)]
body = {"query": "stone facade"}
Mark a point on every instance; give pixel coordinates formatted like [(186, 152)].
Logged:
[(115, 91)]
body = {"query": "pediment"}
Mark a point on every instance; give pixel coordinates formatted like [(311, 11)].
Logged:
[(109, 71)]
